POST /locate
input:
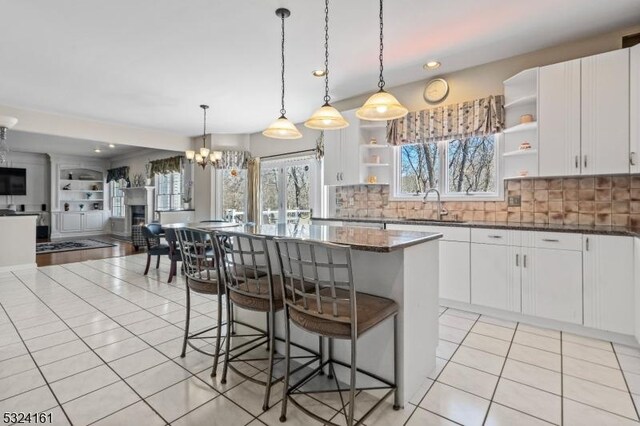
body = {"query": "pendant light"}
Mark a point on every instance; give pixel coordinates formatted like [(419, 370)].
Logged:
[(6, 123), (326, 117), (282, 128), (381, 106), (204, 156)]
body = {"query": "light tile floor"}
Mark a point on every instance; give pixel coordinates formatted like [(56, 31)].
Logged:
[(98, 343)]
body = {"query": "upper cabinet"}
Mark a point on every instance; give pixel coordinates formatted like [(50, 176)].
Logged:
[(559, 119), (584, 115), (605, 113), (634, 105), (341, 152)]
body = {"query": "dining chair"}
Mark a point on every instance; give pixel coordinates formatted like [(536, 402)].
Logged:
[(151, 234), (174, 253), (332, 308)]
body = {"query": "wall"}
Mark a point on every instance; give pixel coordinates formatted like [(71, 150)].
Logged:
[(588, 201), (38, 188)]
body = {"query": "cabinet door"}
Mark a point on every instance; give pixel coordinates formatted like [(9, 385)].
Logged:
[(605, 113), (495, 278), (93, 222), (350, 151), (552, 284), (559, 119), (634, 84), (71, 222), (332, 158), (609, 283), (455, 271)]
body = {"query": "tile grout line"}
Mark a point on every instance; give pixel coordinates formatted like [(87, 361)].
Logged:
[(192, 375), (102, 359), (506, 357), (38, 367)]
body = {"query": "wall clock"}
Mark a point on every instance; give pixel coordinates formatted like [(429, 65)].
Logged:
[(436, 90)]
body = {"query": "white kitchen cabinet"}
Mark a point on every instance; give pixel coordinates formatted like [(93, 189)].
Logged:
[(342, 153), (552, 284), (559, 119), (634, 106), (455, 259), (609, 287), (495, 276), (605, 113), (71, 222)]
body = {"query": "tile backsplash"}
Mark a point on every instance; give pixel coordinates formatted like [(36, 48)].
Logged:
[(599, 200)]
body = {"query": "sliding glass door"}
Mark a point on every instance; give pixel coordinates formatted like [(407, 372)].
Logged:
[(288, 190)]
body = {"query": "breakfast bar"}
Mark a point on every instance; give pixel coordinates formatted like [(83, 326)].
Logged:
[(400, 265)]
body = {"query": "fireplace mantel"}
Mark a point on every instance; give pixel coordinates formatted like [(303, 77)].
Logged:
[(138, 196)]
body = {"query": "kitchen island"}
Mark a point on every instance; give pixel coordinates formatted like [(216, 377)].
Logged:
[(400, 265), (18, 248)]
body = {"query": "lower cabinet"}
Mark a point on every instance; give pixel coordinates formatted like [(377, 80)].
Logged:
[(552, 284), (609, 287), (495, 276), (71, 222), (92, 222), (455, 266)]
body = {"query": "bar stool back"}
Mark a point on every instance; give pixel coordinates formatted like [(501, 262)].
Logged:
[(202, 276), (332, 308)]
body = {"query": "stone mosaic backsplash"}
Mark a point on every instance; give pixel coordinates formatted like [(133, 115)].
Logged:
[(599, 200)]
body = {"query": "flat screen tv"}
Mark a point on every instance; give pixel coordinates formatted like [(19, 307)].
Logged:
[(13, 181)]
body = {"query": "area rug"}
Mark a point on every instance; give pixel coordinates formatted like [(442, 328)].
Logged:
[(58, 246)]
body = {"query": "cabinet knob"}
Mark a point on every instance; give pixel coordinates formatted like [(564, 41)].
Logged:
[(577, 162), (632, 158), (585, 161), (495, 236)]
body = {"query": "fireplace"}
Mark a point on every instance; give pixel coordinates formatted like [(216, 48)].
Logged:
[(139, 204)]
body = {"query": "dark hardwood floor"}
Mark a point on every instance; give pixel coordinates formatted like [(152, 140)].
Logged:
[(121, 248)]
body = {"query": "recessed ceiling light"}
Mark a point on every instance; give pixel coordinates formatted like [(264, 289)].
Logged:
[(97, 150), (318, 73), (111, 145), (431, 65)]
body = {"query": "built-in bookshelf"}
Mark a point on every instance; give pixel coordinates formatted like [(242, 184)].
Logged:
[(81, 190)]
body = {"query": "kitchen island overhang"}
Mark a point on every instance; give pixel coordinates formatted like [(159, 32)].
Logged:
[(400, 265)]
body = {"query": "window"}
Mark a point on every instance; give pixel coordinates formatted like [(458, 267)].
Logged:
[(287, 190), (117, 197), (234, 194), (457, 168), (169, 191)]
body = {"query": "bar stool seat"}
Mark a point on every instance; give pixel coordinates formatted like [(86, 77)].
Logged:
[(371, 311), (256, 297)]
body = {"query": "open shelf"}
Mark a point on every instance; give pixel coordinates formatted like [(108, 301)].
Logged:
[(521, 127), (80, 180), (82, 190), (82, 201), (520, 152), (528, 77), (525, 100)]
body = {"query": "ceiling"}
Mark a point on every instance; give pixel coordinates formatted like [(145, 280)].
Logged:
[(150, 63), (49, 144)]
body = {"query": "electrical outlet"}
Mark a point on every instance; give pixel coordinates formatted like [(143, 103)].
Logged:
[(514, 201)]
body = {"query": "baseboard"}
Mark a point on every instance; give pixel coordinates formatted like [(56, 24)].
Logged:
[(581, 330), (18, 267), (69, 235)]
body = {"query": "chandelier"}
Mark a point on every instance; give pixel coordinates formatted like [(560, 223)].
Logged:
[(5, 124), (204, 156)]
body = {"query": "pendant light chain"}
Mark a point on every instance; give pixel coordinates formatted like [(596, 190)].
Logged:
[(381, 81), (327, 98), (204, 127), (282, 110)]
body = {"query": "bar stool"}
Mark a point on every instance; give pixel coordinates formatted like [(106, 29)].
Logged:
[(331, 308), (250, 285), (202, 276)]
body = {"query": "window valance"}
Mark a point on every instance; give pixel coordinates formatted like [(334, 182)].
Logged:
[(166, 165), (479, 117), (234, 160), (118, 173)]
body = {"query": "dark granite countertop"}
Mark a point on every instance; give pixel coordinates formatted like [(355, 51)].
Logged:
[(582, 229), (358, 238)]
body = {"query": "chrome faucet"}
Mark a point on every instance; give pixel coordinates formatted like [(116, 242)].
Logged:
[(441, 211)]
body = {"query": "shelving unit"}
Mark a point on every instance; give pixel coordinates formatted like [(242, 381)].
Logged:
[(380, 169), (88, 190), (521, 97)]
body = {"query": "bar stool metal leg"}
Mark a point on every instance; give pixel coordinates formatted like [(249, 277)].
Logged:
[(227, 342), (272, 346), (396, 366), (186, 324), (287, 365), (218, 336)]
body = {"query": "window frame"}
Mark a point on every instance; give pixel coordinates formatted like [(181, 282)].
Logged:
[(396, 195), (170, 194), (113, 190), (219, 198)]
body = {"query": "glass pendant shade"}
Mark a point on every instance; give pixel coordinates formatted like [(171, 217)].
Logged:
[(190, 155), (204, 152), (212, 157), (381, 106), (199, 158), (282, 128), (8, 122), (326, 118)]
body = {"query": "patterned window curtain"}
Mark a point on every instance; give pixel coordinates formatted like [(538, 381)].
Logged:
[(118, 173), (234, 160), (479, 117), (166, 165)]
